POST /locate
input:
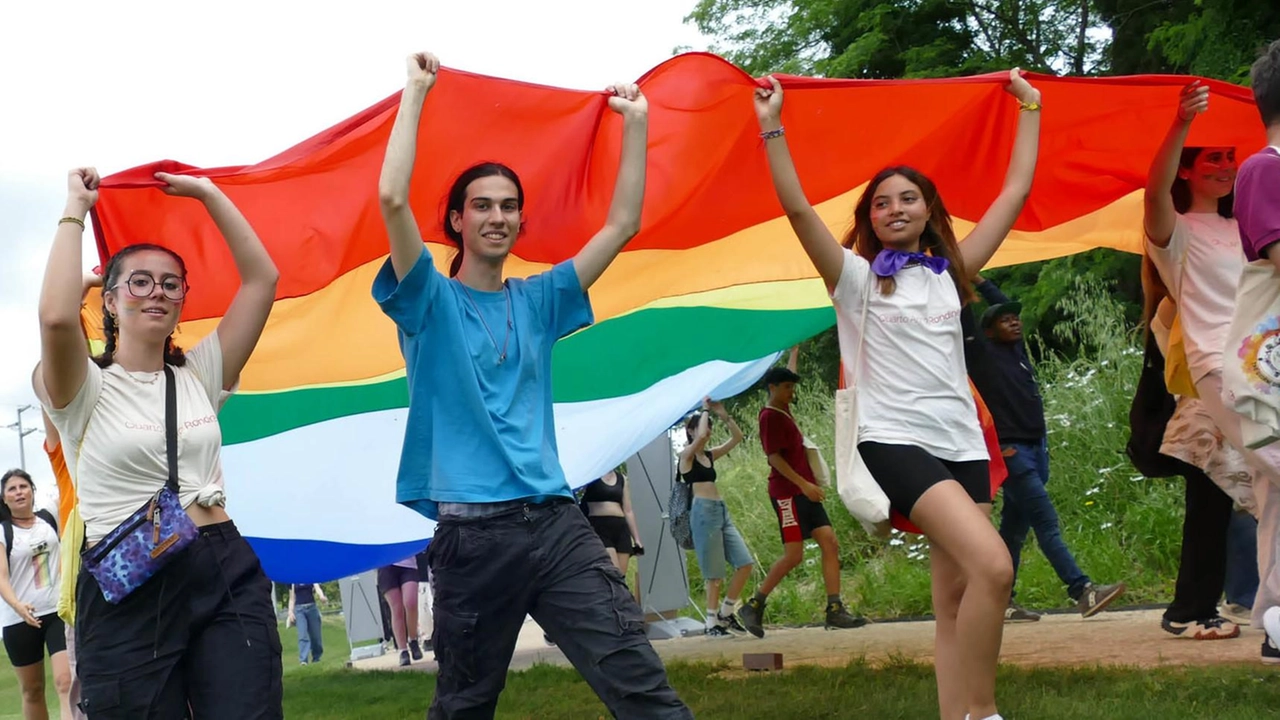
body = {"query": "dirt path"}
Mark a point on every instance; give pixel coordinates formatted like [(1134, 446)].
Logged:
[(1131, 638)]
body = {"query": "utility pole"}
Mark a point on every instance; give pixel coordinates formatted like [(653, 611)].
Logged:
[(22, 436)]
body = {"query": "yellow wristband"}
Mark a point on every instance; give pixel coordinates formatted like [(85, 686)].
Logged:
[(1028, 106), (75, 220)]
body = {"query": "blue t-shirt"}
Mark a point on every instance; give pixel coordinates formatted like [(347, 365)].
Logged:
[(478, 430)]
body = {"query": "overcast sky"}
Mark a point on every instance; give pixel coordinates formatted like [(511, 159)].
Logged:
[(232, 82)]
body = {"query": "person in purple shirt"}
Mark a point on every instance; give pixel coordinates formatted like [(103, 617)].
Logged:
[(1257, 211)]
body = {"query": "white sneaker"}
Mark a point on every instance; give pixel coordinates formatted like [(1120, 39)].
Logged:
[(1271, 622), (1237, 614)]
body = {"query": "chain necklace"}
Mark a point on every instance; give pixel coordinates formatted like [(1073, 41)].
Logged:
[(506, 294)]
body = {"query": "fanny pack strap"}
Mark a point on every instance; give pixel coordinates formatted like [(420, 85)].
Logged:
[(171, 427)]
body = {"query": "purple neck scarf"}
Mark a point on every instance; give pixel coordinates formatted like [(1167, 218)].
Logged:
[(889, 262)]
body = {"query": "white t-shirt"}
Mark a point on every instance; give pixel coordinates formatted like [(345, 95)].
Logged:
[(913, 388), (33, 570), (1201, 267), (114, 439)]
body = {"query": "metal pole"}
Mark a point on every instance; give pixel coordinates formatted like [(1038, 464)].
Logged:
[(22, 436)]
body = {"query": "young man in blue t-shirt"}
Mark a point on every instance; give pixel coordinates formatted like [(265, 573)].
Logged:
[(480, 453)]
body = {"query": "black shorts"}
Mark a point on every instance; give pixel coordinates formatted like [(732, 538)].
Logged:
[(614, 532), (26, 645), (798, 517), (391, 577), (906, 472)]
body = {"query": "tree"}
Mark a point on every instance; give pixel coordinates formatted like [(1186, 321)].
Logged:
[(901, 38), (1212, 38)]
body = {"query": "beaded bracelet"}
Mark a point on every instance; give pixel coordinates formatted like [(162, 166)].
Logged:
[(771, 134), (75, 220)]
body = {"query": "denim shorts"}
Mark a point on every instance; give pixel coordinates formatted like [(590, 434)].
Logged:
[(715, 539)]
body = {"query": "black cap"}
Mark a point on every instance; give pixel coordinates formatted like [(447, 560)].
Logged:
[(777, 375), (995, 312)]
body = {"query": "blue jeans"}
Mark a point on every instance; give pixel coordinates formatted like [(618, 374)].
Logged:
[(1027, 506), (310, 639), (716, 539), (1241, 584)]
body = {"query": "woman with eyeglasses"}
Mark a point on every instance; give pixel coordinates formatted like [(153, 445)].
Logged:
[(200, 635)]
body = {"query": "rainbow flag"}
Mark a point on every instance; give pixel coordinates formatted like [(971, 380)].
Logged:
[(701, 302)]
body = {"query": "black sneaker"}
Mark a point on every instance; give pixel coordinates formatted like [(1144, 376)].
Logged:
[(731, 621), (718, 631), (1212, 628), (414, 650), (839, 618), (1095, 598), (404, 658), (1015, 613), (1270, 653), (752, 616)]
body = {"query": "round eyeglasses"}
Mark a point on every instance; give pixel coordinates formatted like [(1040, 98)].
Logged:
[(141, 285)]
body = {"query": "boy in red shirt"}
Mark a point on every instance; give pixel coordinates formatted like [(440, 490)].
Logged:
[(797, 499)]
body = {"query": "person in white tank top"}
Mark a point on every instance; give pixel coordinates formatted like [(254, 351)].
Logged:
[(918, 425)]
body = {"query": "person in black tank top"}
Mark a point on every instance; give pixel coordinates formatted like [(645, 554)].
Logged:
[(607, 503), (716, 541)]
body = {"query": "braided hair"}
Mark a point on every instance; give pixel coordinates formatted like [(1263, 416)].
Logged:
[(173, 354)]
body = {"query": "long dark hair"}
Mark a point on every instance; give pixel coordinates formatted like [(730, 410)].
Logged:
[(1181, 189), (691, 424), (173, 354), (938, 238), (5, 512), (457, 199)]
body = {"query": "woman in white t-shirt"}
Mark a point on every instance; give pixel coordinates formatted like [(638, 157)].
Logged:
[(201, 633), (1194, 242), (918, 429), (29, 580)]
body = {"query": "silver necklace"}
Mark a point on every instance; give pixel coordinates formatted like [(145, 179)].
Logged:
[(154, 376), (502, 352)]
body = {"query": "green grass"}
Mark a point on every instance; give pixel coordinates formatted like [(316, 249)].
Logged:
[(905, 690), (1119, 525)]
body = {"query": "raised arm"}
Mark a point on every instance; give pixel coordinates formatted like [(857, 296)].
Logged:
[(699, 443), (63, 354), (242, 324), (1158, 214), (989, 291), (397, 165), (623, 221), (818, 242), (735, 432), (985, 238)]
